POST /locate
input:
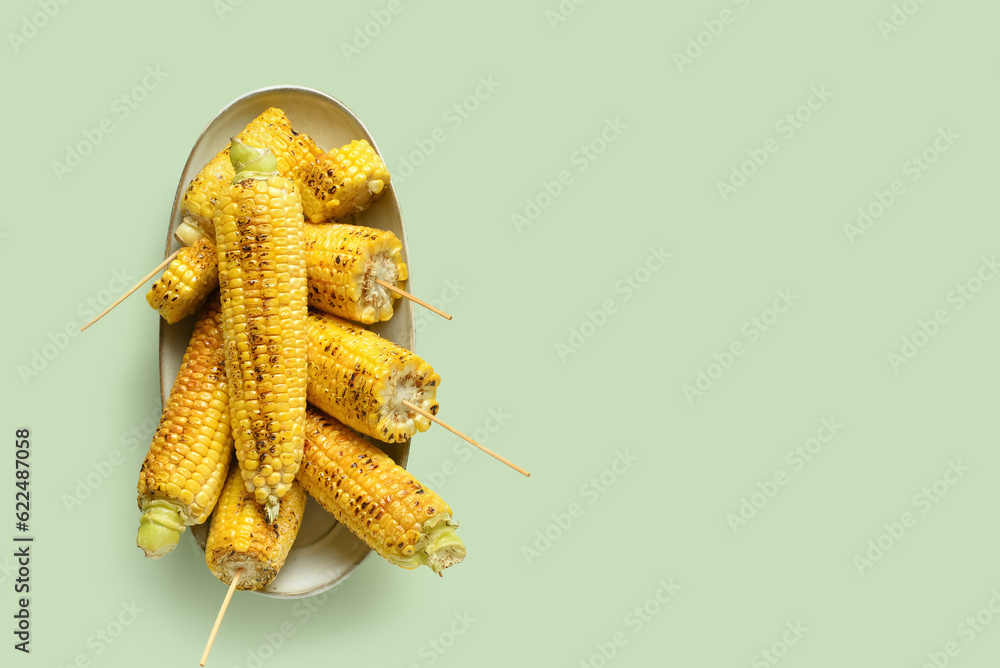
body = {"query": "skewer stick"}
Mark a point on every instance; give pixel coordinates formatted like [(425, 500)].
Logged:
[(138, 285), (222, 611), (407, 295), (463, 436)]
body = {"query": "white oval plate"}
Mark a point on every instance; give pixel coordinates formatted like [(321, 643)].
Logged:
[(324, 552)]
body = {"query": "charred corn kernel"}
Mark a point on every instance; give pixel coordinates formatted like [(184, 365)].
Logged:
[(382, 504), (183, 472), (343, 182), (186, 282), (343, 262), (262, 275), (240, 536), (272, 130), (361, 379)]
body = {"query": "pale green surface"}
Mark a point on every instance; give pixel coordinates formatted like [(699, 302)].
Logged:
[(663, 523)]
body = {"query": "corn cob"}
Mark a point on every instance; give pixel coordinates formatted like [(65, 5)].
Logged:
[(183, 472), (343, 262), (262, 275), (272, 130), (241, 537), (382, 504), (342, 182), (188, 280), (361, 379)]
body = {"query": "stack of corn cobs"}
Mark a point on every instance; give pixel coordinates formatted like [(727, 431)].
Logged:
[(275, 335)]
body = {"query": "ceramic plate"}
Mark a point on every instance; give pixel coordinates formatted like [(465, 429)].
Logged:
[(324, 552)]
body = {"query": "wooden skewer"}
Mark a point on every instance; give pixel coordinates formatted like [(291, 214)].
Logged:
[(407, 295), (222, 611), (136, 287), (463, 436)]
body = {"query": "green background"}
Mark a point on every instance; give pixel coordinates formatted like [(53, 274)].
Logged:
[(617, 388)]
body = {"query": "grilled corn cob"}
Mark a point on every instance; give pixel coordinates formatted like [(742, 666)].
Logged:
[(183, 473), (343, 262), (262, 275), (188, 280), (272, 130), (342, 182), (361, 379), (240, 537), (382, 504)]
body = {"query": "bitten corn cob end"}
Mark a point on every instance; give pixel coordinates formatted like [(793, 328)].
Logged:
[(361, 379), (341, 183), (379, 501), (241, 537), (182, 475), (343, 262)]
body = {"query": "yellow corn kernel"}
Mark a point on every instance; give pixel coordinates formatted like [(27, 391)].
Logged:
[(240, 537), (381, 503), (361, 379), (343, 182)]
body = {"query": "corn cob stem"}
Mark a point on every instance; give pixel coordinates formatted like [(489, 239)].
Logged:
[(468, 439), (250, 162), (189, 234), (444, 548), (160, 527)]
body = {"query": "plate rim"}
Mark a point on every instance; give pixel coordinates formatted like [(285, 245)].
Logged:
[(170, 242)]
